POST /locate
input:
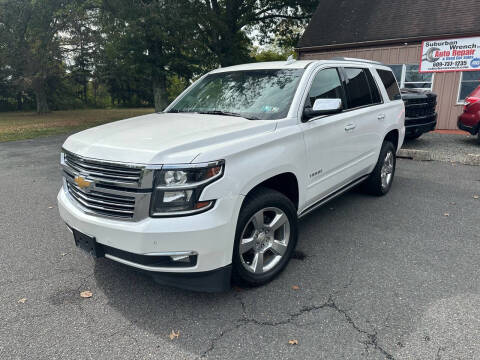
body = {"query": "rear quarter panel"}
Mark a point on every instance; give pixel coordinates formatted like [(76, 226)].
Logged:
[(393, 109)]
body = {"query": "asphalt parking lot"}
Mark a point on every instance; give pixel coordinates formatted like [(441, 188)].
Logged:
[(396, 277)]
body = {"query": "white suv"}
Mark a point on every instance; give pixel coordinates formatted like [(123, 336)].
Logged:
[(212, 187)]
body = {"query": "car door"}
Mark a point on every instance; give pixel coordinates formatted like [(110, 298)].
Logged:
[(327, 138), (364, 103)]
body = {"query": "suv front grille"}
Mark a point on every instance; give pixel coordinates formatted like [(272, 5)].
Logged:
[(107, 172), (103, 203), (417, 112), (109, 189), (419, 106)]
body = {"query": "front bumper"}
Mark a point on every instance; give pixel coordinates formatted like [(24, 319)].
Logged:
[(473, 129), (420, 125), (209, 235)]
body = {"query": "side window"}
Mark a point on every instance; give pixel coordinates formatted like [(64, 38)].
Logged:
[(390, 84), (326, 85), (357, 87), (376, 97)]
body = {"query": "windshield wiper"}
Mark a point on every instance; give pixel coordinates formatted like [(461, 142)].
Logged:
[(227, 113)]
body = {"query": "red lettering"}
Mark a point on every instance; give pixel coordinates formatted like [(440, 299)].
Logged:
[(463, 52), (439, 54)]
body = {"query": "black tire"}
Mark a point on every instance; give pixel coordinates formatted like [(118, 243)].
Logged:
[(373, 185), (478, 137), (413, 136), (259, 199)]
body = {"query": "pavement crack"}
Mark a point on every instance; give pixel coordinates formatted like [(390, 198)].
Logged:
[(215, 340), (291, 317), (372, 339), (237, 324), (440, 350)]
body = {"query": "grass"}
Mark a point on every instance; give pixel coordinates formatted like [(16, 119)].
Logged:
[(28, 125)]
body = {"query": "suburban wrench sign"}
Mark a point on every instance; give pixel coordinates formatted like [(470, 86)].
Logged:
[(461, 54)]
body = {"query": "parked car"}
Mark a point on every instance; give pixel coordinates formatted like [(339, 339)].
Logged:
[(212, 187), (469, 120), (420, 114), (473, 97)]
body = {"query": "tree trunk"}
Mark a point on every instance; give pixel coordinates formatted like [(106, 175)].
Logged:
[(95, 88), (19, 101), (85, 90), (160, 92), (41, 98)]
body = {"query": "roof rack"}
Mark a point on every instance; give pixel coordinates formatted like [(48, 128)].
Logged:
[(356, 60)]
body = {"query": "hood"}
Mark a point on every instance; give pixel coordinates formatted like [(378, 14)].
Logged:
[(162, 138), (416, 93)]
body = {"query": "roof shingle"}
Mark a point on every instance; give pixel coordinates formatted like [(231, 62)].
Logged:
[(337, 22)]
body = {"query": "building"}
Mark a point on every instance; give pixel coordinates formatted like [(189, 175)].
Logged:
[(392, 32)]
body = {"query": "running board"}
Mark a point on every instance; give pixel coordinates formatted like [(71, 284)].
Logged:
[(331, 196)]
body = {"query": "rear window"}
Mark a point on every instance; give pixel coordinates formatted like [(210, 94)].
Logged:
[(388, 80), (358, 88)]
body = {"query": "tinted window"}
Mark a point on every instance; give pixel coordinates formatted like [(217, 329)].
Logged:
[(390, 84), (397, 70), (326, 85), (376, 98), (358, 90)]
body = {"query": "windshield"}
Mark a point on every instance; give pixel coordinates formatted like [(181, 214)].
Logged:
[(254, 94)]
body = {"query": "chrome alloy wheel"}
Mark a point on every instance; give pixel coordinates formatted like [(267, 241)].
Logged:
[(264, 240), (386, 173)]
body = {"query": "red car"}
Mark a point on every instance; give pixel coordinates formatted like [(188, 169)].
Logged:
[(470, 119)]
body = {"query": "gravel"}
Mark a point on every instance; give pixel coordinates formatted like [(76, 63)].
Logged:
[(444, 147)]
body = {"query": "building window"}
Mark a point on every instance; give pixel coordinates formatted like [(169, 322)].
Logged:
[(409, 77), (468, 82)]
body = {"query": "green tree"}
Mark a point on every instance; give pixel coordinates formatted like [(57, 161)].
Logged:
[(223, 24), (30, 43), (82, 42), (154, 39)]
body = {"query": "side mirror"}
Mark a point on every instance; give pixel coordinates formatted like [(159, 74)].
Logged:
[(323, 107)]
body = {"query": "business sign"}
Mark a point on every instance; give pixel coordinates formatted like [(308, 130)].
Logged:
[(462, 54)]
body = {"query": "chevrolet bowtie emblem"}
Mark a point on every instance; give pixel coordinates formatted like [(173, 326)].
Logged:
[(82, 182)]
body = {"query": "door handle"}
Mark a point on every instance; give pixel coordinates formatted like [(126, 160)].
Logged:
[(350, 127), (381, 117)]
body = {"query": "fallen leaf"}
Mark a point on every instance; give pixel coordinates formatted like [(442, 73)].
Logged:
[(174, 335), (22, 300), (86, 294), (446, 214), (293, 342), (476, 196), (295, 287)]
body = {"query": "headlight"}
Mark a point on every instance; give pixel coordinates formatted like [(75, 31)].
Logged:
[(177, 188)]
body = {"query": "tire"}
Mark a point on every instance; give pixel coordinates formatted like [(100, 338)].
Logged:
[(262, 209), (379, 185), (413, 137), (478, 137)]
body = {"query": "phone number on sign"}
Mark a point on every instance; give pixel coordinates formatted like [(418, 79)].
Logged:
[(450, 63)]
